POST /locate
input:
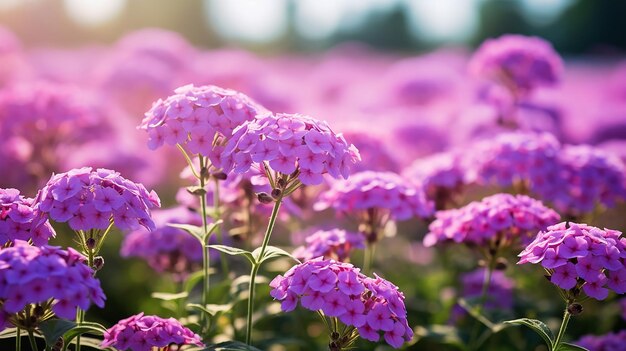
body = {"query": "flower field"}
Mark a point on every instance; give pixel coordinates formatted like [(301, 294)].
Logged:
[(157, 195)]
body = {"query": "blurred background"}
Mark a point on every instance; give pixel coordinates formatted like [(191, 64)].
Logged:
[(573, 26)]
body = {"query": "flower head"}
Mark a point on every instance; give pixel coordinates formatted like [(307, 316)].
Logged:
[(167, 249), (518, 62), (200, 118), (290, 144), (335, 243), (607, 342), (142, 333), (371, 305), (91, 199), (20, 220), (580, 256), (501, 218), (35, 275)]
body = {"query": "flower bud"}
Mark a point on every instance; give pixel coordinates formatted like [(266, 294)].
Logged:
[(98, 263), (39, 311), (280, 183), (91, 243), (334, 336), (264, 198), (501, 264), (276, 193), (58, 345), (220, 175), (575, 309), (204, 173)]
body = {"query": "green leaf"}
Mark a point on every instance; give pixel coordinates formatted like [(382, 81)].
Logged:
[(84, 328), (196, 190), (571, 347), (169, 296), (474, 312), (270, 253), (193, 279), (194, 230), (538, 326), (233, 251), (231, 346), (53, 329), (8, 333), (211, 309)]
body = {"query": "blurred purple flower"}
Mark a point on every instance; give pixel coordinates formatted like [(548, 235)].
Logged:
[(607, 342), (142, 333), (335, 243), (499, 295), (21, 220)]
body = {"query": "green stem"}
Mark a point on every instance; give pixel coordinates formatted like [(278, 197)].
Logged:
[(482, 301), (559, 337), (205, 252), (218, 230), (368, 258), (80, 317), (256, 266), (18, 340), (31, 338)]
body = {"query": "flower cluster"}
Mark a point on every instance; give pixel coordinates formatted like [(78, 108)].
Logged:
[(442, 176), (499, 295), (592, 176), (19, 220), (607, 342), (142, 333), (377, 190), (518, 157), (31, 274), (495, 220), (167, 249), (580, 255), (340, 290), (374, 154), (197, 117), (89, 199), (335, 243), (290, 142), (518, 62)]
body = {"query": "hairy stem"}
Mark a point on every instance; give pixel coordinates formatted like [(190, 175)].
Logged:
[(559, 337)]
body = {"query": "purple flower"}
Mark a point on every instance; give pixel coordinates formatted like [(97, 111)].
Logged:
[(504, 218), (607, 342), (290, 143), (335, 243), (89, 199), (376, 197), (580, 256), (38, 275), (167, 249), (200, 118), (375, 156), (142, 333), (21, 220), (517, 62), (339, 289)]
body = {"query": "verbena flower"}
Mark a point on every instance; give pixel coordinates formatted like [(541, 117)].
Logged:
[(371, 305), (20, 220), (499, 296), (291, 144), (374, 198), (441, 175), (48, 277), (519, 158), (579, 256), (495, 221), (592, 176), (607, 342), (201, 119), (142, 333), (91, 199), (518, 62), (335, 243), (167, 249)]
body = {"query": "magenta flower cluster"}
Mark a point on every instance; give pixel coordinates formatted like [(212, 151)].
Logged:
[(20, 220), (290, 143), (377, 190), (441, 170), (335, 243), (592, 176), (503, 217), (31, 274), (196, 116), (166, 249), (518, 62), (142, 333), (580, 254), (90, 199), (340, 290), (607, 342)]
